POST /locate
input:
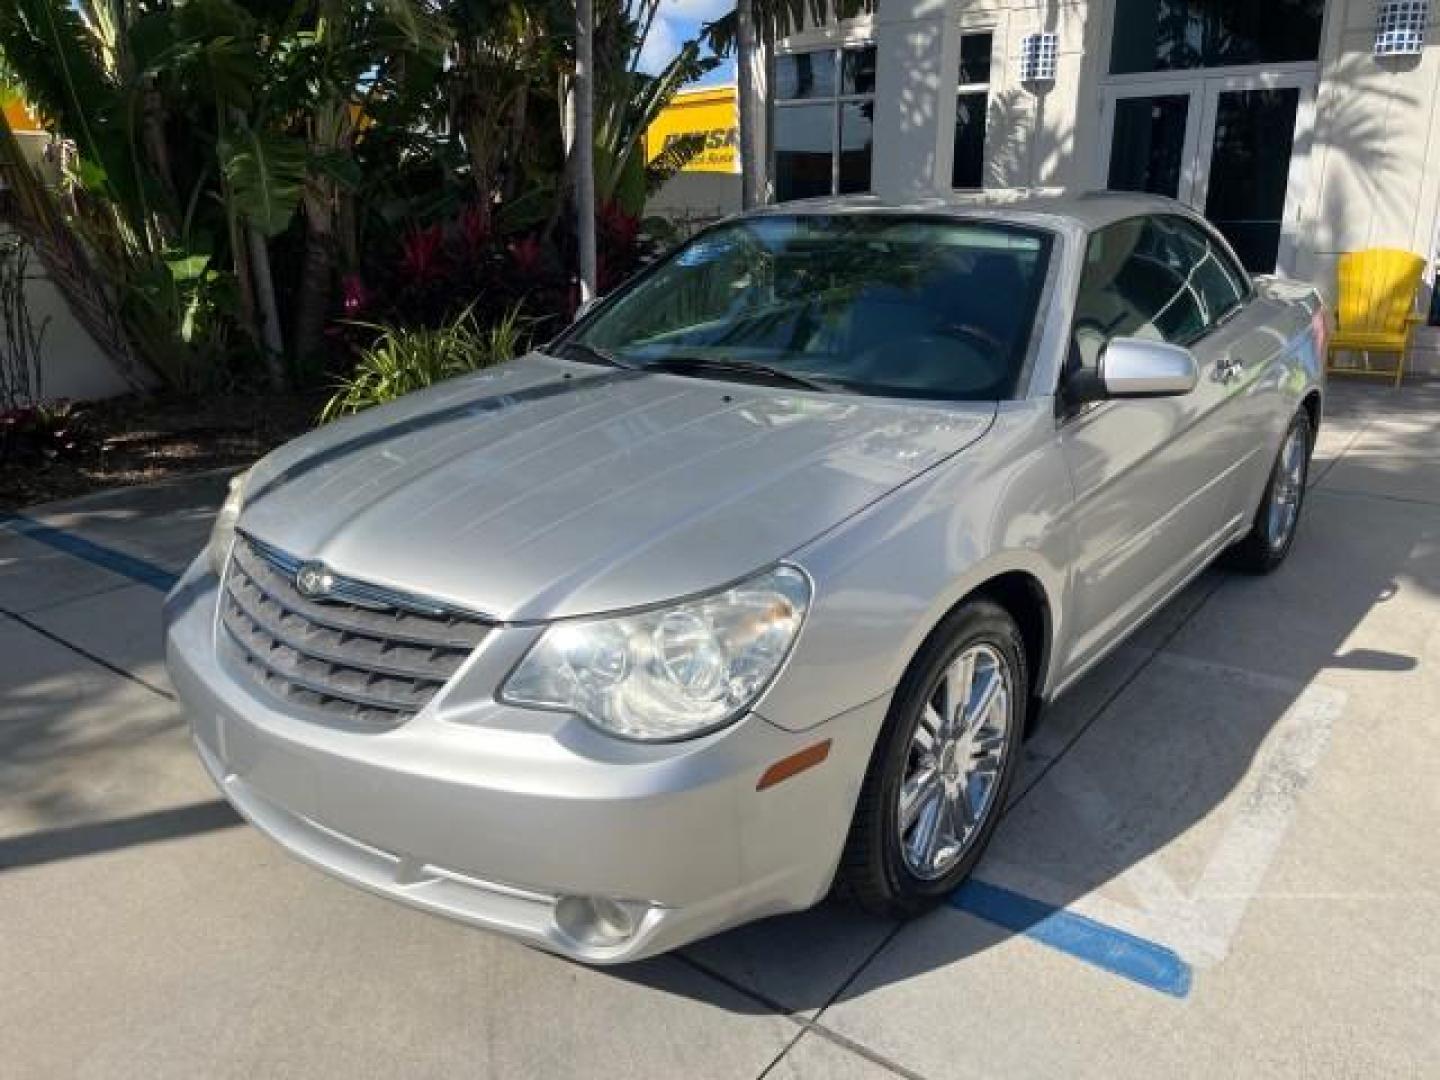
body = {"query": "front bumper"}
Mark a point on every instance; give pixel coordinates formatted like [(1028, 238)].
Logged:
[(494, 815)]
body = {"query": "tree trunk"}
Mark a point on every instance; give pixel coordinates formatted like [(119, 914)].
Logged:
[(517, 138), (272, 342), (751, 160), (567, 141), (157, 154), (317, 274), (585, 144)]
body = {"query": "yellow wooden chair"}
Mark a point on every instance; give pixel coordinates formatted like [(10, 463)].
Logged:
[(1376, 310)]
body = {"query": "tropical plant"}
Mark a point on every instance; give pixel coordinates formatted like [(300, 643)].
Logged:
[(241, 172), (36, 216), (628, 101), (403, 360), (36, 435), (21, 377), (200, 128)]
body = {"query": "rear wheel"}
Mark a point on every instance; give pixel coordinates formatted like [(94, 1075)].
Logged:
[(942, 767), (1273, 531)]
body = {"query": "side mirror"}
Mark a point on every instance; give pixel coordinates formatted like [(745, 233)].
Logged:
[(1136, 368), (586, 306)]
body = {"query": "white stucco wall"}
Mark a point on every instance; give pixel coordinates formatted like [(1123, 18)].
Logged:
[(1376, 157), (71, 364)]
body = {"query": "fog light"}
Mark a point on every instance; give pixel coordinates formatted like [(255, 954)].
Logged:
[(597, 921)]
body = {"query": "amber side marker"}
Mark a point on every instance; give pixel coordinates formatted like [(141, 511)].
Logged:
[(796, 763)]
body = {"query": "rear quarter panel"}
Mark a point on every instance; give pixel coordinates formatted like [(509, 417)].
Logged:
[(1284, 363)]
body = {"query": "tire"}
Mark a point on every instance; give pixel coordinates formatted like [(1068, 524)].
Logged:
[(885, 869), (1272, 533)]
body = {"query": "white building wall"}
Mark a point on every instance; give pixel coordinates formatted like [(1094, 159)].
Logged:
[(1376, 157), (917, 55)]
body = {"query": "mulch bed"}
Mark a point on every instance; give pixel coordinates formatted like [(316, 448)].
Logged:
[(139, 440)]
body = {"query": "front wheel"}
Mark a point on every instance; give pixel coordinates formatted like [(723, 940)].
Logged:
[(1273, 531), (942, 767)]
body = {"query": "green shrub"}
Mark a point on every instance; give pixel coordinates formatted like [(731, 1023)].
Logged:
[(404, 359)]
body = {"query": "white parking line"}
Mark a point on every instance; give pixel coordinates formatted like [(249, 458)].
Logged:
[(1201, 921)]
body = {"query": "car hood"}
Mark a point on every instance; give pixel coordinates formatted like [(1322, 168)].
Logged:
[(544, 489)]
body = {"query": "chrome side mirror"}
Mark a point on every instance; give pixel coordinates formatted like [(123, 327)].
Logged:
[(1137, 368), (1134, 368)]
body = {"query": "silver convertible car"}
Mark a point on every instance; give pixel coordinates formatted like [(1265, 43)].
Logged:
[(749, 584)]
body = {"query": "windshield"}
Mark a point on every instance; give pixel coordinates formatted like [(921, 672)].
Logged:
[(877, 303)]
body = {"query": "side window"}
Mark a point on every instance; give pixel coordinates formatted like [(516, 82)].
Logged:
[(1222, 285), (1137, 282)]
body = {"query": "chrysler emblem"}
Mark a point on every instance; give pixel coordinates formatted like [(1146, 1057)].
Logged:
[(314, 580)]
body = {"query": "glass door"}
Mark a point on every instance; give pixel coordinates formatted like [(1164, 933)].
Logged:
[(1154, 132), (1234, 147), (1255, 149)]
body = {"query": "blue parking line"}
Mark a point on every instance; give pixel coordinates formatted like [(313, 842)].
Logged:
[(1115, 951), (117, 562)]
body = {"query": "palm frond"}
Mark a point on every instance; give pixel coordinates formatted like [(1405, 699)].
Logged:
[(676, 154), (31, 210), (778, 19)]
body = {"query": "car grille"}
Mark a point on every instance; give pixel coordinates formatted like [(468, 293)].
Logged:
[(367, 657)]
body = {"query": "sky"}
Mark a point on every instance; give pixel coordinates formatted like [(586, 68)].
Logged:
[(677, 22)]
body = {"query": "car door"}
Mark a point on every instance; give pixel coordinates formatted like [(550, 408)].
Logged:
[(1154, 478)]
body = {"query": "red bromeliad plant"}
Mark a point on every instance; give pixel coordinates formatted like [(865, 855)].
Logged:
[(422, 255), (527, 255), (35, 435), (618, 239), (476, 229), (431, 272)]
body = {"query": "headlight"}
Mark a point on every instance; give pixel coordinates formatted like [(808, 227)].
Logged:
[(668, 673), (222, 533)]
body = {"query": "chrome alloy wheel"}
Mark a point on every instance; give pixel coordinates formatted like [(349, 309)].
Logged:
[(955, 762), (1285, 492)]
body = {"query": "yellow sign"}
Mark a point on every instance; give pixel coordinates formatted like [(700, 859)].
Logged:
[(710, 111), (17, 115)]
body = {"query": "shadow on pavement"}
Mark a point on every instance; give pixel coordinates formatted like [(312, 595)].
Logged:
[(50, 845)]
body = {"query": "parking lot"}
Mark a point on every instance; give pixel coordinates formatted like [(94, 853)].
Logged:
[(1220, 858)]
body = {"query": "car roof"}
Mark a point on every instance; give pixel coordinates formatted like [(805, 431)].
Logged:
[(1088, 210)]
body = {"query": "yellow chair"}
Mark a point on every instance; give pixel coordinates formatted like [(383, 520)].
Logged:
[(1376, 310)]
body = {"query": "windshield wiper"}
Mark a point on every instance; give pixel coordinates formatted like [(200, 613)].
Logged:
[(698, 365), (598, 355)]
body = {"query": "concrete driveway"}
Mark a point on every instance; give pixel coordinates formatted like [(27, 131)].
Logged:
[(1221, 858)]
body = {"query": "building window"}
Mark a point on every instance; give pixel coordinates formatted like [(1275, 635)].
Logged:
[(824, 122), (972, 106), (1171, 35)]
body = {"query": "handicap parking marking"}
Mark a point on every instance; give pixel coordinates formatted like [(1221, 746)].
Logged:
[(1199, 922), (1134, 958), (107, 558)]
